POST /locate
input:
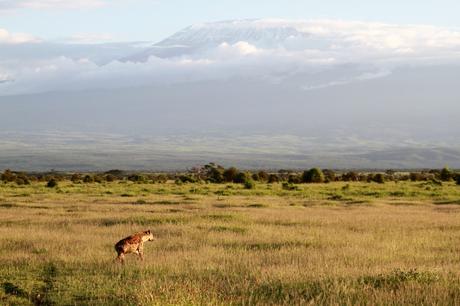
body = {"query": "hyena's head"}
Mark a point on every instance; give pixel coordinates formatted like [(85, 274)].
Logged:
[(148, 236)]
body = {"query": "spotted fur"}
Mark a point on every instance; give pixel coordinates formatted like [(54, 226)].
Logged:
[(133, 244)]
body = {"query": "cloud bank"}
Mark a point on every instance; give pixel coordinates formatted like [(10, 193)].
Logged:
[(306, 54), (16, 38), (50, 4)]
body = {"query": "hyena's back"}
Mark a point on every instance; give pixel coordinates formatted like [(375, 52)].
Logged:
[(128, 245)]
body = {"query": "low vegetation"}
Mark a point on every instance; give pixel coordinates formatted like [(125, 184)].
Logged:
[(236, 238)]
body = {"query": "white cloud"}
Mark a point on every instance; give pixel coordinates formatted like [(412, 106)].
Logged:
[(89, 38), (317, 54), (240, 48), (50, 4), (16, 38)]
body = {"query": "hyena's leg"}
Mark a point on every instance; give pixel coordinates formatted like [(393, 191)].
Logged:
[(140, 252), (121, 258)]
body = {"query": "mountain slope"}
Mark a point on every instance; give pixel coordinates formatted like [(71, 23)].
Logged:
[(256, 92)]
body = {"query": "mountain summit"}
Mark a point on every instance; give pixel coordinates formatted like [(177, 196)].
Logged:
[(329, 39)]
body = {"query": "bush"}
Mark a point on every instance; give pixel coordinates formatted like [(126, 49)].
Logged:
[(214, 173), (273, 178), (314, 175), (52, 183), (187, 179), (458, 179), (8, 176), (329, 175), (294, 179), (249, 184), (75, 178), (241, 178), (415, 177), (379, 178), (110, 178), (161, 178), (289, 186), (137, 178), (351, 176), (263, 176), (88, 179), (230, 174), (445, 174)]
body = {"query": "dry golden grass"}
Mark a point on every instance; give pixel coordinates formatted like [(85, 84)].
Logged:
[(220, 244)]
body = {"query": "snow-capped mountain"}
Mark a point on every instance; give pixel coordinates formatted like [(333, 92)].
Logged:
[(362, 94), (326, 39), (269, 34)]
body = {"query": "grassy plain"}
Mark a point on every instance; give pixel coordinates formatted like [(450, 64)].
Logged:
[(337, 243)]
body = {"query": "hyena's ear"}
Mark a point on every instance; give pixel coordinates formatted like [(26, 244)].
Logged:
[(148, 232)]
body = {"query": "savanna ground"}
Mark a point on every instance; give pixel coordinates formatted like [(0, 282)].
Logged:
[(337, 243)]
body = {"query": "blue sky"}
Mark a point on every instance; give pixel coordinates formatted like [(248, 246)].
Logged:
[(130, 20)]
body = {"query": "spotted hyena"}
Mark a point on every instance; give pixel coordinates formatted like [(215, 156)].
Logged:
[(133, 244)]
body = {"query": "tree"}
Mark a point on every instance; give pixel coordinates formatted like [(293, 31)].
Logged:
[(329, 175), (415, 176), (110, 177), (137, 178), (273, 178), (445, 174), (294, 179), (314, 175), (379, 178), (75, 178), (249, 184), (263, 176), (88, 179), (351, 176), (241, 178), (230, 174), (8, 176), (213, 173), (52, 183)]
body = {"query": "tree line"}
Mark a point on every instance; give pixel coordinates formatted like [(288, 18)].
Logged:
[(214, 173)]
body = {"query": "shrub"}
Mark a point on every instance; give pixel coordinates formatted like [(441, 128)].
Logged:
[(230, 174), (161, 178), (52, 183), (445, 174), (88, 179), (414, 176), (241, 178), (273, 178), (263, 176), (214, 173), (116, 173), (289, 186), (329, 175), (187, 179), (75, 178), (351, 176), (458, 179), (249, 184), (379, 178), (8, 176), (99, 179), (294, 179), (136, 178), (314, 175), (110, 177)]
